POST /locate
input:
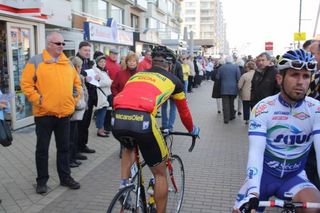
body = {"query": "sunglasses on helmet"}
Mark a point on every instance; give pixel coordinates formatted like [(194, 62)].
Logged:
[(297, 65)]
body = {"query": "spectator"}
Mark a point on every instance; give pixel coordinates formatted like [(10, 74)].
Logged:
[(129, 69), (168, 122), (244, 86), (192, 73), (83, 125), (264, 79), (103, 91), (314, 92), (307, 44), (77, 116), (52, 107), (216, 90), (112, 68), (186, 71), (229, 74), (209, 69), (146, 63)]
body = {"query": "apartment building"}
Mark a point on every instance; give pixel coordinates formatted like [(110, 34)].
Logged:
[(204, 18)]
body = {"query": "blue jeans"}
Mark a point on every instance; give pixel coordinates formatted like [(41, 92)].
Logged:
[(168, 123), (100, 115), (186, 87)]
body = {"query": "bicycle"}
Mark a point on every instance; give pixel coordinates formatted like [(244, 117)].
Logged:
[(288, 205), (132, 198)]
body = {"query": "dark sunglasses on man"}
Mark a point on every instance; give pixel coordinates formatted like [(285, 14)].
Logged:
[(59, 43)]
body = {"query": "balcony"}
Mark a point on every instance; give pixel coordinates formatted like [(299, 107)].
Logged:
[(141, 5), (126, 1)]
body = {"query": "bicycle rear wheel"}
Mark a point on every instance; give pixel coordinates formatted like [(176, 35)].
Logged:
[(126, 201), (176, 181)]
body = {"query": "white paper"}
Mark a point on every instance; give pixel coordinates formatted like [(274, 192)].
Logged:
[(91, 73)]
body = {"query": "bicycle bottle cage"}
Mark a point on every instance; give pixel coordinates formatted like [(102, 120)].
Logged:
[(128, 141)]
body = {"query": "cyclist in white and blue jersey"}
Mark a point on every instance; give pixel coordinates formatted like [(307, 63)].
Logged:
[(282, 129)]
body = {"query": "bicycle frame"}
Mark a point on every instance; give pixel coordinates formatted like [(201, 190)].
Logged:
[(140, 189)]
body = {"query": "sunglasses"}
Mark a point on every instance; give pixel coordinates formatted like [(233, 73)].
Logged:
[(184, 58), (59, 43), (298, 65)]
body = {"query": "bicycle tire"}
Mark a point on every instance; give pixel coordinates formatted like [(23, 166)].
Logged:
[(119, 202), (176, 184)]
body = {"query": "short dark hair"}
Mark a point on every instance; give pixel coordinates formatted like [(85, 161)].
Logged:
[(266, 54), (84, 44), (307, 43)]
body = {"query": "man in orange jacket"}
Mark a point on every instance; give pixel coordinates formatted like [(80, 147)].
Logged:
[(52, 85)]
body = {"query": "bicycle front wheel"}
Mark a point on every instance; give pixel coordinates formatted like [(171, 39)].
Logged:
[(126, 201), (176, 181)]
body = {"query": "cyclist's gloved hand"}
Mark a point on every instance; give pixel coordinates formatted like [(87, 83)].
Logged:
[(195, 131), (251, 202)]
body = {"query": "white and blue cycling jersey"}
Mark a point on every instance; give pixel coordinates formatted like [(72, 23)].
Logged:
[(280, 136)]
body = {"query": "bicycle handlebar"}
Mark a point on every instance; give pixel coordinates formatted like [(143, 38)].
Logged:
[(183, 134), (289, 204)]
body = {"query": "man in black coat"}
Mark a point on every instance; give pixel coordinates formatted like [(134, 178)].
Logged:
[(264, 79)]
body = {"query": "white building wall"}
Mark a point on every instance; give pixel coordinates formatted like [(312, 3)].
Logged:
[(58, 11)]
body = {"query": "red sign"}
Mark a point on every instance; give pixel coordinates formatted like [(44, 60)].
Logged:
[(268, 45)]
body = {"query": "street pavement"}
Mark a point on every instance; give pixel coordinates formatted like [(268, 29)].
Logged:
[(214, 170)]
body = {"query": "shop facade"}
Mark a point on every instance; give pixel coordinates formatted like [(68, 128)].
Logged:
[(144, 41), (20, 38), (104, 38)]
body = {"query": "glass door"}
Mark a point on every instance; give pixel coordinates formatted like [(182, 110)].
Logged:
[(20, 46)]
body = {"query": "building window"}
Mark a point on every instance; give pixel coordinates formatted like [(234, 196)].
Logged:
[(117, 14), (97, 8), (135, 22), (190, 12), (77, 5), (190, 4), (190, 19)]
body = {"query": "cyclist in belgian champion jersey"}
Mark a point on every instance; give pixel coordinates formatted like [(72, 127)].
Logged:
[(281, 131), (135, 110)]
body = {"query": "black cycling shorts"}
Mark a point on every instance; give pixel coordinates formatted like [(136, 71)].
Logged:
[(141, 126)]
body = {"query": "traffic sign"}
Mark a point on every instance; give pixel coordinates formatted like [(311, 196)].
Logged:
[(268, 45), (299, 36)]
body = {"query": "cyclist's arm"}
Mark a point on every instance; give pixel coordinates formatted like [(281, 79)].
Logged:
[(257, 144), (183, 109)]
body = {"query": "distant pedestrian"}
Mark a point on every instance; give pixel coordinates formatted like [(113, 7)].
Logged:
[(244, 86), (146, 63), (216, 90), (53, 101), (186, 71), (229, 75)]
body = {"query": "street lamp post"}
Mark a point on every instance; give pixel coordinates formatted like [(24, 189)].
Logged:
[(299, 30)]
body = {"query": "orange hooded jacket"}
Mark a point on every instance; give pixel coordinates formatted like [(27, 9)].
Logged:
[(53, 87)]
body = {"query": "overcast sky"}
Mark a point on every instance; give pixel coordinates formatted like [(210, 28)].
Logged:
[(250, 23)]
